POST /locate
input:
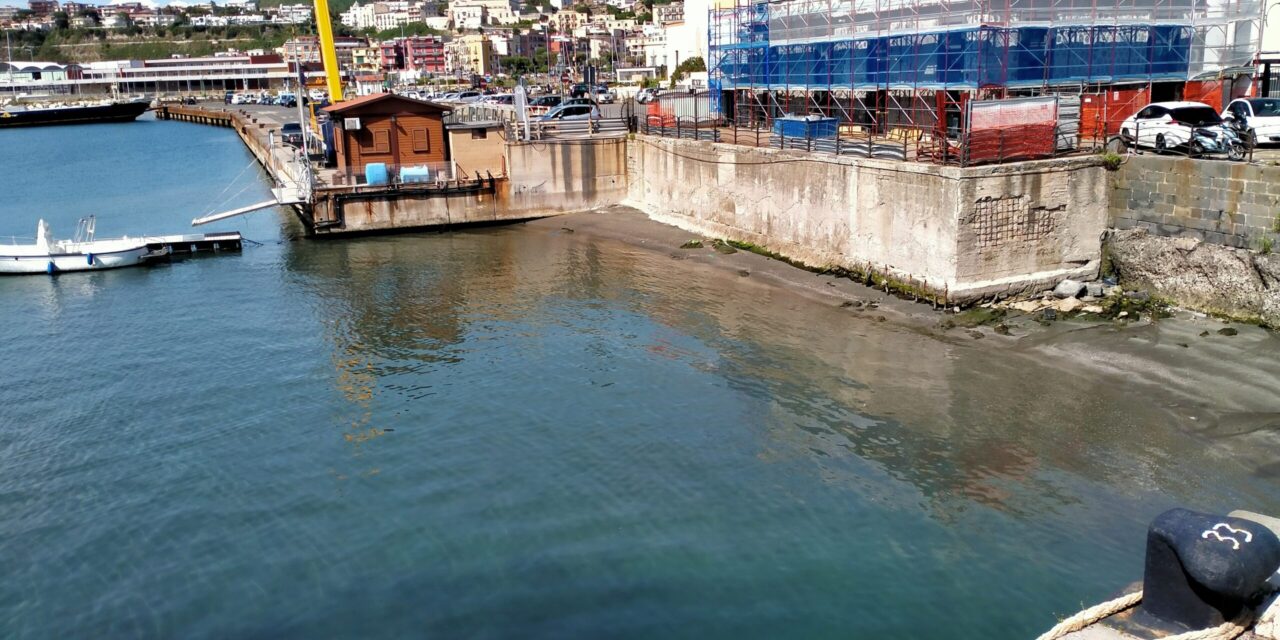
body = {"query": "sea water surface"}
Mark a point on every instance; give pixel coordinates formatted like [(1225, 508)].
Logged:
[(518, 432)]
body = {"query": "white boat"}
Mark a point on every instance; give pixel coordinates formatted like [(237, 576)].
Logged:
[(83, 253)]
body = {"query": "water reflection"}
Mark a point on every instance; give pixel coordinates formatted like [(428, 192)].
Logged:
[(890, 413)]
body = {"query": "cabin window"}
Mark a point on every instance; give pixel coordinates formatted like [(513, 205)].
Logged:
[(421, 140), (479, 134), (375, 141)]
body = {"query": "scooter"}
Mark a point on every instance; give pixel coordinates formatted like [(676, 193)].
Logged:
[(1219, 139)]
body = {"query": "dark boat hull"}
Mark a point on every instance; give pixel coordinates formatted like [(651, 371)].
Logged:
[(116, 112)]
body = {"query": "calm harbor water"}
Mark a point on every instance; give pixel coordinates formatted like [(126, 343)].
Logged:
[(519, 432)]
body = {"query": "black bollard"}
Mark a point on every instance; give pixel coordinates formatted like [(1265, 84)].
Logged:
[(1203, 570)]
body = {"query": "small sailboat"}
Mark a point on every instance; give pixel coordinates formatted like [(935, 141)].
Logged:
[(83, 253)]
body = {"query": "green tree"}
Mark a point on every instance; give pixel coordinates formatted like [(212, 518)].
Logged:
[(517, 65), (689, 65), (619, 14), (541, 60)]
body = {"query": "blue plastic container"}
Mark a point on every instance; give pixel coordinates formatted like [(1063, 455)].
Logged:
[(376, 173), (805, 127), (415, 174)]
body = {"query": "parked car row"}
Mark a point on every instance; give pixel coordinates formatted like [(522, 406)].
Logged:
[(1196, 129), (282, 99)]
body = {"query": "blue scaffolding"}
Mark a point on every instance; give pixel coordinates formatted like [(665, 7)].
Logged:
[(962, 58)]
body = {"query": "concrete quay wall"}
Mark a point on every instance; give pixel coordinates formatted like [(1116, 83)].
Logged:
[(958, 233), (1225, 203), (543, 179)]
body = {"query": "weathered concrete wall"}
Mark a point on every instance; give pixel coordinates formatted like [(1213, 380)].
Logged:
[(472, 154), (1213, 278), (963, 233), (544, 179), (550, 177), (1226, 203)]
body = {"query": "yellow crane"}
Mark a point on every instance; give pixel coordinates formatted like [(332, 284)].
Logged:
[(332, 74)]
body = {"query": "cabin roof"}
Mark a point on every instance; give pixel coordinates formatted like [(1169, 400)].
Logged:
[(356, 104)]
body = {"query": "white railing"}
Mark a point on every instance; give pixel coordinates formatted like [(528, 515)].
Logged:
[(568, 129), (483, 113)]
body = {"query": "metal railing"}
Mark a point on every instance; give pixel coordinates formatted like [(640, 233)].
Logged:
[(568, 129), (382, 176), (1226, 142), (964, 148), (676, 127), (481, 113)]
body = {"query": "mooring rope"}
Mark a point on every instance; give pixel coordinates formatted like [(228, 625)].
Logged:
[(1091, 615), (1226, 631), (252, 161)]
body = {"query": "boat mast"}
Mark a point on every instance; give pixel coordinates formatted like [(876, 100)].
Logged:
[(9, 57)]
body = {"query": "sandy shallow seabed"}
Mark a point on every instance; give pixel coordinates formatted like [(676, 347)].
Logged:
[(1223, 388)]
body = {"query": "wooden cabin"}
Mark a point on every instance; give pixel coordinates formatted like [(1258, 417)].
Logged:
[(387, 128)]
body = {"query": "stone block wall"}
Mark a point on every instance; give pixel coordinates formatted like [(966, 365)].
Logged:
[(960, 233), (1226, 203)]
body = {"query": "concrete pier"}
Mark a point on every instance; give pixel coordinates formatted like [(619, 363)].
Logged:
[(193, 114), (542, 178)]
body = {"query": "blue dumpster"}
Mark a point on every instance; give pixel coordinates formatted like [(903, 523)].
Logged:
[(805, 127)]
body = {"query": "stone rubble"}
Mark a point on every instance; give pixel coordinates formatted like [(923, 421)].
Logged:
[(1069, 289)]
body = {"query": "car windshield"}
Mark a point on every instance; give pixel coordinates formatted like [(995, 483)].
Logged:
[(291, 127), (1265, 107), (1196, 116)]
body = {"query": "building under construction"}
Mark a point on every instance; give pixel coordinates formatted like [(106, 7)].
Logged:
[(916, 70)]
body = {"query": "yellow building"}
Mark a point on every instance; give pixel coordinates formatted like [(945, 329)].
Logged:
[(474, 54), (366, 59)]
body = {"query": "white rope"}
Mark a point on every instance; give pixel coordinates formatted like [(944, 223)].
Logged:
[(1091, 615), (1268, 625), (1225, 631)]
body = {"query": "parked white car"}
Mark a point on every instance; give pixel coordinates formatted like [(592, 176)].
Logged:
[(647, 95), (1259, 116), (239, 98), (604, 95), (1172, 125)]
